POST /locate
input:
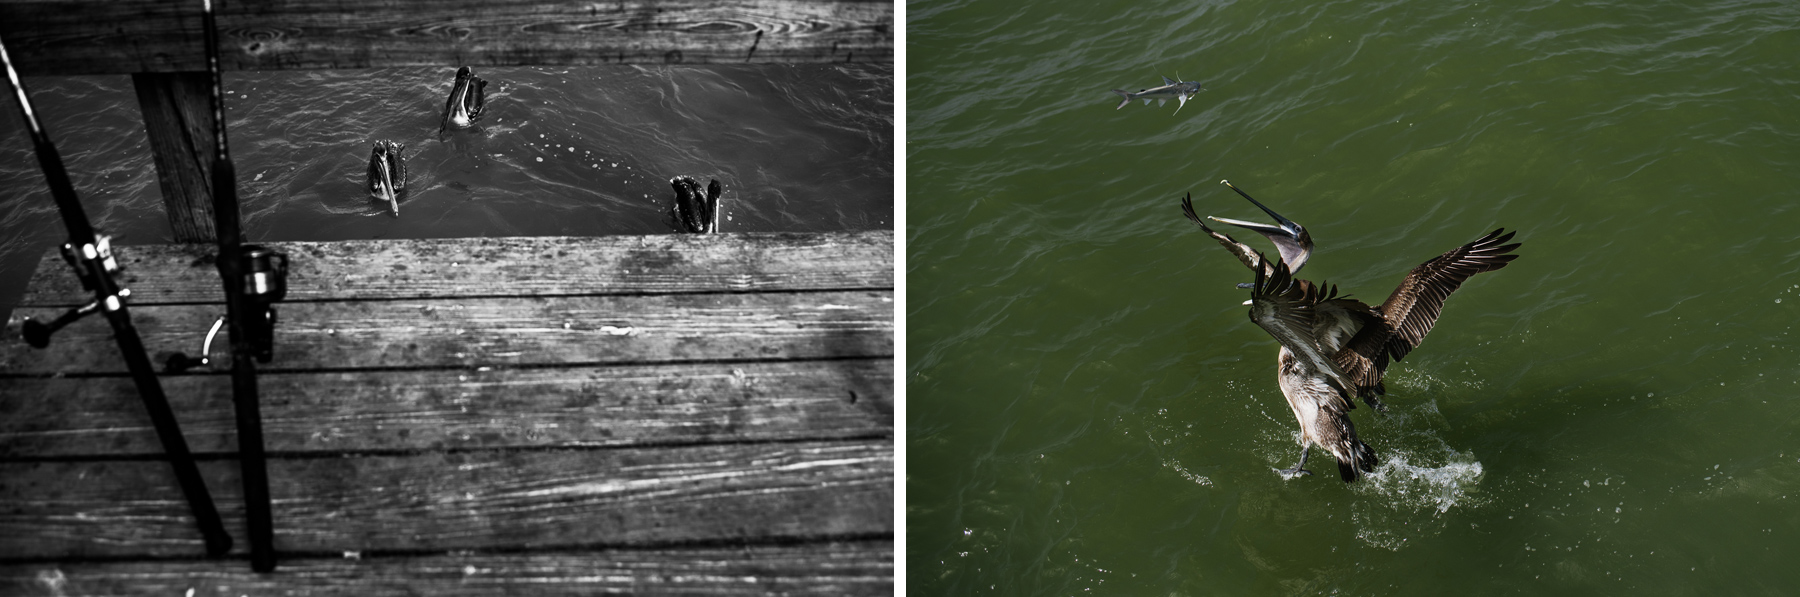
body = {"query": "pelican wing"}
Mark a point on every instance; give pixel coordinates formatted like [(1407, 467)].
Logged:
[(1243, 252), (1288, 308), (1413, 309), (1338, 320)]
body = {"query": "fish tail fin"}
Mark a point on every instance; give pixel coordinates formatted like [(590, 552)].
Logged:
[(1124, 94)]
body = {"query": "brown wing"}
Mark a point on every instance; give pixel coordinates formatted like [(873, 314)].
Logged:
[(1413, 309), (1287, 308), (1291, 302), (1244, 253), (1354, 321)]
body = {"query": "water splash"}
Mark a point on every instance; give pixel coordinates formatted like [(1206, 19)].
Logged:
[(1416, 487), (1419, 481)]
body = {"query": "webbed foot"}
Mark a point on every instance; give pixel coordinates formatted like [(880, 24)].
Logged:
[(1289, 474)]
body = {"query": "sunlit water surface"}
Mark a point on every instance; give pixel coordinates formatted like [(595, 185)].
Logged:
[(1617, 412)]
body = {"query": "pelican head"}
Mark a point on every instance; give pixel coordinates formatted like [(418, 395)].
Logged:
[(468, 98), (1291, 239)]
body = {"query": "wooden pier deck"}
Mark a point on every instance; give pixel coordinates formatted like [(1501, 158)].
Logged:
[(544, 416)]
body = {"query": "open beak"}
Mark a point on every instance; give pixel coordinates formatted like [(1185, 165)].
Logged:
[(1285, 227)]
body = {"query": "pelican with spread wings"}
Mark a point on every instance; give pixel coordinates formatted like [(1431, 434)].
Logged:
[(1334, 348)]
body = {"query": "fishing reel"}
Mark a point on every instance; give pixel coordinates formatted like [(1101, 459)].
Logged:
[(263, 283), (89, 260)]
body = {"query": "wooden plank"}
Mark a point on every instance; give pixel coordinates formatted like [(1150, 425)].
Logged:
[(473, 333), (89, 37), (491, 500), (836, 568), (514, 266), (462, 410), (178, 118)]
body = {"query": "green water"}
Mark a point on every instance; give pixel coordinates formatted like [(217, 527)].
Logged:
[(1090, 411)]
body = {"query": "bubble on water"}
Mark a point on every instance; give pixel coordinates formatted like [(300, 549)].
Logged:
[(540, 158), (1186, 474)]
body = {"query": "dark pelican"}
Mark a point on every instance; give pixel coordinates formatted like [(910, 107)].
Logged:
[(1292, 241), (1334, 347), (697, 213), (387, 173), (467, 100)]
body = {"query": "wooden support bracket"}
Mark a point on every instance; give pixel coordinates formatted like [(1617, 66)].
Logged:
[(178, 118)]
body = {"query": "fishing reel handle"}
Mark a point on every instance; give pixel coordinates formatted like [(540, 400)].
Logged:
[(38, 333), (180, 362)]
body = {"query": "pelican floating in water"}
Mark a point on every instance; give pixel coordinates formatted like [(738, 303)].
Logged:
[(1292, 241), (1334, 348), (387, 173), (467, 100), (697, 213)]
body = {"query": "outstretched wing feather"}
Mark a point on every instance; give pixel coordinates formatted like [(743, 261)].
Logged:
[(1413, 309), (1250, 258)]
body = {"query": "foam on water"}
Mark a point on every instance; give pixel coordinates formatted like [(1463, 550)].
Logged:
[(1419, 481)]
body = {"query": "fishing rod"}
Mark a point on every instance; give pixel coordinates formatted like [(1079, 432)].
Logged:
[(254, 278), (94, 263)]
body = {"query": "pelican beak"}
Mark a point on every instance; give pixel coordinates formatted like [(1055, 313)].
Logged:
[(1265, 229), (1285, 223)]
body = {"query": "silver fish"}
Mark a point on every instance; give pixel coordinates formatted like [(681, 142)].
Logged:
[(1182, 90)]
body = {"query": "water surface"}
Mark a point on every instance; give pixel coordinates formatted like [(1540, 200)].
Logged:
[(1091, 411), (581, 151)]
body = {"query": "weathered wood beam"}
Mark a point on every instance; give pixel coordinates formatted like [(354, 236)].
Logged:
[(471, 333), (85, 37), (399, 411), (489, 500), (178, 118), (835, 568), (517, 266)]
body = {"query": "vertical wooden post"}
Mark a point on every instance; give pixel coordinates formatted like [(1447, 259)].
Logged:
[(178, 117)]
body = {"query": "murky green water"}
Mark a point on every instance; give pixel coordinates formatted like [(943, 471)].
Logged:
[(1618, 412)]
